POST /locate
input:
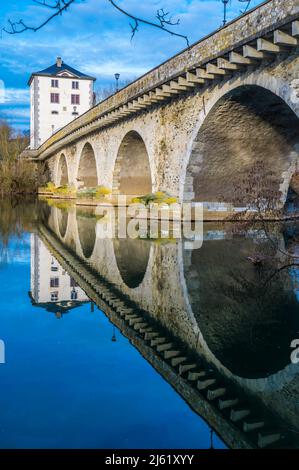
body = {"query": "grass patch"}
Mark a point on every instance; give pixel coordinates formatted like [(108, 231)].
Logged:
[(155, 198)]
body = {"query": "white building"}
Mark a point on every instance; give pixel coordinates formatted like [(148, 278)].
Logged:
[(58, 95), (51, 287)]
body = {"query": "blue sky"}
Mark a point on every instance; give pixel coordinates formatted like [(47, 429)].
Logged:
[(95, 38)]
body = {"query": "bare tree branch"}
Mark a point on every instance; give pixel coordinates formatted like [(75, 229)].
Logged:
[(163, 18), (59, 6), (45, 3), (279, 270), (247, 6)]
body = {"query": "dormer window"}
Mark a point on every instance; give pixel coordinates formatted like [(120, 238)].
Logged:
[(54, 83), (75, 85)]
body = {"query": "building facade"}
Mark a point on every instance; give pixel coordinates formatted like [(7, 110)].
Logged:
[(58, 95)]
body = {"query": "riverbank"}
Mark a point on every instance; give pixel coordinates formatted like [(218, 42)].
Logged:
[(206, 212)]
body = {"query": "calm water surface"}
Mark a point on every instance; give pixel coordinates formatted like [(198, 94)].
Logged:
[(77, 374)]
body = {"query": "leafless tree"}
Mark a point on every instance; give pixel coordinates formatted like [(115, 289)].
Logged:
[(263, 204), (17, 176), (103, 92), (163, 19)]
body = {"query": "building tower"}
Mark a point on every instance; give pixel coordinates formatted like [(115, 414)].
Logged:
[(58, 95)]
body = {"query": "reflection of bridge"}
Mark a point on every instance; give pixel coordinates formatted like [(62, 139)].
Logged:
[(194, 125), (154, 308)]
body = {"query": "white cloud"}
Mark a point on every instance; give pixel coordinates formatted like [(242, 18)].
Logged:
[(16, 96), (108, 69)]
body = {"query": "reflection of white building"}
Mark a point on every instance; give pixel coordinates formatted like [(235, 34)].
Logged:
[(51, 287)]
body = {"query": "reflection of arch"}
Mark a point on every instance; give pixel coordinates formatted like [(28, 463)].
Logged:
[(45, 212), (62, 218), (87, 171), (247, 124), (62, 171), (132, 174), (247, 328), (87, 232), (132, 257)]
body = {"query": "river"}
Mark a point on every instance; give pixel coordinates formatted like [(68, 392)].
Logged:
[(145, 343)]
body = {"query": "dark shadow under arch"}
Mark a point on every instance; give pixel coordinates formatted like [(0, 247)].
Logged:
[(132, 174), (62, 177), (87, 171), (132, 256)]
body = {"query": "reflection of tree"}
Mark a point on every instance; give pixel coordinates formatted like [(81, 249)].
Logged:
[(14, 219)]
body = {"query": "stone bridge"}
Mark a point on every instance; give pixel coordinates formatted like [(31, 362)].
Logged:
[(167, 291), (195, 125)]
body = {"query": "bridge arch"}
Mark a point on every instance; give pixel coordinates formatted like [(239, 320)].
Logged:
[(242, 123), (87, 174), (132, 172), (62, 171)]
